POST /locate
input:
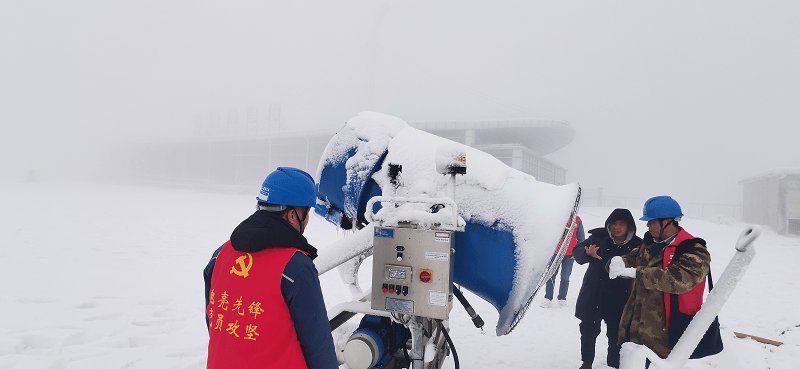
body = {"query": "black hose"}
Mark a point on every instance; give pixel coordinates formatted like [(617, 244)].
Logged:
[(476, 319), (449, 342), (340, 319)]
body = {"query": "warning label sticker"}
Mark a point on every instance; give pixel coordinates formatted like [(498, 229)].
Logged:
[(436, 256), (400, 306), (437, 298)]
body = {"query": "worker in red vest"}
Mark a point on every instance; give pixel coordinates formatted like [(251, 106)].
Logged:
[(264, 306), (668, 271)]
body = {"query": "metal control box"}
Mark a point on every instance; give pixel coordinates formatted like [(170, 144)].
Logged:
[(412, 270)]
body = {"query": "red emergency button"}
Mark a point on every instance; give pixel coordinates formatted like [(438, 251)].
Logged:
[(425, 275)]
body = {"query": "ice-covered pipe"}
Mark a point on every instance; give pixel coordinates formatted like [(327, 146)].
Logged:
[(333, 255), (513, 222)]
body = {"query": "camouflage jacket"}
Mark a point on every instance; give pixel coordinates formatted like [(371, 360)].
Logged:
[(644, 318)]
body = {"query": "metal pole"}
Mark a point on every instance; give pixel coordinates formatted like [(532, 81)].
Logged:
[(455, 210), (417, 342)]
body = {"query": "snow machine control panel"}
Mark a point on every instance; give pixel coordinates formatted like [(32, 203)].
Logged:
[(412, 271)]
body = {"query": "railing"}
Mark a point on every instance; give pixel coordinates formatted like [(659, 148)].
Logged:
[(594, 197)]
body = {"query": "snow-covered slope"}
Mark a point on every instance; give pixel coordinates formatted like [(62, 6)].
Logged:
[(106, 276)]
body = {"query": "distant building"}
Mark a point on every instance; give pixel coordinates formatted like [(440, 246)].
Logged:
[(240, 156), (519, 144), (773, 198)]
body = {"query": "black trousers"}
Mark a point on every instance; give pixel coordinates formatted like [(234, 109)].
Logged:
[(589, 332)]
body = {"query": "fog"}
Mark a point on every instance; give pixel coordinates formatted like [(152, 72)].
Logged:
[(682, 98)]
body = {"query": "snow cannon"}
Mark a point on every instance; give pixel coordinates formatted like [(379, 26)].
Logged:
[(510, 225)]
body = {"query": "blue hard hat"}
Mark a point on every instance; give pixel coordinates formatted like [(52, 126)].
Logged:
[(288, 186), (661, 207)]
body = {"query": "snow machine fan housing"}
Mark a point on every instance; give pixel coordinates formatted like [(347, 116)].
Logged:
[(514, 224)]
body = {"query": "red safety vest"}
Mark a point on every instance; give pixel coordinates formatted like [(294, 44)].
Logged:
[(249, 322), (574, 240), (690, 302)]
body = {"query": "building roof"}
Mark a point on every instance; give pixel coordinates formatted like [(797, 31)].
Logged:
[(543, 136), (777, 172)]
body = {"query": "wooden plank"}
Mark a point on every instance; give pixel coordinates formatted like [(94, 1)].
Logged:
[(759, 339)]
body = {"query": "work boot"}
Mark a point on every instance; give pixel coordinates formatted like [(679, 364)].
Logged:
[(586, 366), (546, 304)]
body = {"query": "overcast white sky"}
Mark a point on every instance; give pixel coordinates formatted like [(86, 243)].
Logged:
[(682, 97)]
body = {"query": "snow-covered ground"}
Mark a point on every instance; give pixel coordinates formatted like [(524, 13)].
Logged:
[(108, 276)]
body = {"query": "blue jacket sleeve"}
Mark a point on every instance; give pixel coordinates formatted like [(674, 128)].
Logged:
[(303, 295), (207, 277)]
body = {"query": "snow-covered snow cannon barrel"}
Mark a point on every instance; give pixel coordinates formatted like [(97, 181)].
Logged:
[(513, 224)]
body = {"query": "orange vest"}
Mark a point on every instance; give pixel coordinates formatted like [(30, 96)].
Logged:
[(249, 322), (690, 302)]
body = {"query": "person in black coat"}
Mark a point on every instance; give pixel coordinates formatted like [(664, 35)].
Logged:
[(602, 298)]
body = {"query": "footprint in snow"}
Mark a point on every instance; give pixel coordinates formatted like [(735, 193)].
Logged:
[(87, 305)]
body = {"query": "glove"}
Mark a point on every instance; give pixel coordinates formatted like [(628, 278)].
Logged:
[(616, 268)]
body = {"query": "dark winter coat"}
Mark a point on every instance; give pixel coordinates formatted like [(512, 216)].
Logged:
[(300, 286), (644, 317), (601, 297)]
